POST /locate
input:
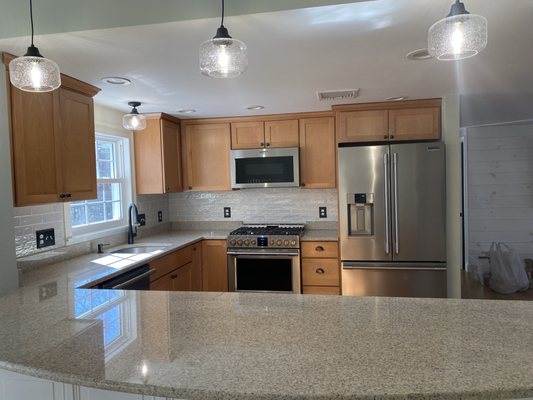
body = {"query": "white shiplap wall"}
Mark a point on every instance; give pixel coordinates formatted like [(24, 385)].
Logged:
[(500, 187)]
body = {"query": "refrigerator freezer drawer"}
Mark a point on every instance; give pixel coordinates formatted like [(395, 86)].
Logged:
[(393, 281)]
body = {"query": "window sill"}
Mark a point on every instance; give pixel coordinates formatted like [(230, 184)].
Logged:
[(86, 237)]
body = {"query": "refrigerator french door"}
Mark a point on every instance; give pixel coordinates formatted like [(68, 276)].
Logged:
[(392, 217)]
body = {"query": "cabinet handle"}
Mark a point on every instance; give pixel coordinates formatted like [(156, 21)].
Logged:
[(268, 144), (61, 195), (303, 184), (168, 189), (173, 276), (319, 248), (262, 144), (392, 136), (385, 136), (320, 270), (68, 195), (190, 187)]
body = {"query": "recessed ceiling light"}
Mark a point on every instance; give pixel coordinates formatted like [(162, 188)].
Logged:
[(116, 80), (187, 111), (256, 107), (396, 98), (419, 55)]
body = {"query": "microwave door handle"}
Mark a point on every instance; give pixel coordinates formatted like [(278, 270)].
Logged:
[(387, 223), (395, 204)]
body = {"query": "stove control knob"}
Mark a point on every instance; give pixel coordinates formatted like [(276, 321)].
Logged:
[(293, 242), (285, 242), (239, 242), (232, 242), (253, 242), (271, 243), (247, 242), (279, 242)]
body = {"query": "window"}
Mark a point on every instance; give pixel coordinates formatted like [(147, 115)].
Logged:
[(108, 210)]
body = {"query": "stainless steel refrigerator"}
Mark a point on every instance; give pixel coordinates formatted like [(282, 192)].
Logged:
[(392, 216)]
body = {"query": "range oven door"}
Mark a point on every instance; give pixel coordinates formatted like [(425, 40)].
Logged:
[(264, 271)]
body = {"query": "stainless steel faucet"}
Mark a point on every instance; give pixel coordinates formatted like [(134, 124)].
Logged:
[(131, 232)]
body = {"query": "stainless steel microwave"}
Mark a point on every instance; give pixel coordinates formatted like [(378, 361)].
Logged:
[(262, 168)]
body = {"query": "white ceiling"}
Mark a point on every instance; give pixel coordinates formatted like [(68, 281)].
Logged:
[(295, 53)]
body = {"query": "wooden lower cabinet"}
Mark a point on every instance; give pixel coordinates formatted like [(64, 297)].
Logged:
[(320, 268), (178, 271), (214, 266)]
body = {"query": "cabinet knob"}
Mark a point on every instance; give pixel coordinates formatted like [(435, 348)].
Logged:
[(68, 195), (319, 248), (262, 144), (168, 189), (320, 270), (392, 136), (173, 276), (385, 136), (268, 144), (302, 184), (61, 195), (190, 187)]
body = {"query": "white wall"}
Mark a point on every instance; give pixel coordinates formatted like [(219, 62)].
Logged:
[(8, 267), (500, 187), (450, 134)]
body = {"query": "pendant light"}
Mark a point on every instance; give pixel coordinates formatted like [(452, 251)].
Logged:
[(223, 56), (134, 121), (32, 72), (458, 36)]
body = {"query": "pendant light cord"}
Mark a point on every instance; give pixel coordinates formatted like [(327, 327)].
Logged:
[(221, 22), (31, 19)]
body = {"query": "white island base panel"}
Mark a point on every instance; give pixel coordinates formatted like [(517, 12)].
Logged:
[(15, 386)]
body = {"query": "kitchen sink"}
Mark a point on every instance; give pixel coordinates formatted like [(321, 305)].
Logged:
[(139, 249)]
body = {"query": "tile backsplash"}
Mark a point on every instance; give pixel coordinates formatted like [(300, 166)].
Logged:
[(274, 205)]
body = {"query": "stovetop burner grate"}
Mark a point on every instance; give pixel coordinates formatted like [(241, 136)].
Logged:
[(265, 230)]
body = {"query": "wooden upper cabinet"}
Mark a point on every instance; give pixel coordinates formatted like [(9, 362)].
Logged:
[(391, 121), (282, 133), (317, 153), (247, 135), (158, 156), (78, 161), (52, 142), (415, 124), (257, 134), (206, 155), (362, 126)]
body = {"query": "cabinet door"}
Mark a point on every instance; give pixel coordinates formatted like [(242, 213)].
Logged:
[(182, 278), (281, 133), (317, 153), (170, 135), (163, 283), (415, 124), (362, 126), (207, 157), (148, 158), (78, 159), (214, 266), (247, 135), (320, 272), (35, 150)]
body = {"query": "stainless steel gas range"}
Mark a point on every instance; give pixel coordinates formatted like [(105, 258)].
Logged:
[(265, 258)]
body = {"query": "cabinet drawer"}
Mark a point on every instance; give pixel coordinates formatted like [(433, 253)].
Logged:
[(331, 290), (320, 272), (320, 249), (170, 262)]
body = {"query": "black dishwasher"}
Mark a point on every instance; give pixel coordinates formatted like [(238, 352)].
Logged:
[(134, 279)]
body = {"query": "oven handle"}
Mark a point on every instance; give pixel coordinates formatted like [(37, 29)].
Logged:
[(273, 253)]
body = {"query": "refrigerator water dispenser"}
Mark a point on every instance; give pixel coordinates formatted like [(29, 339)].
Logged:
[(360, 214)]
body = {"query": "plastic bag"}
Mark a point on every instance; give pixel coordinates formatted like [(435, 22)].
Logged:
[(508, 274), (479, 270)]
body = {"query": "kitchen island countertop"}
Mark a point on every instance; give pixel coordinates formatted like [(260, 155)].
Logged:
[(270, 346)]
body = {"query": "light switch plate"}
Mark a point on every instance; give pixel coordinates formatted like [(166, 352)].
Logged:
[(227, 212), (322, 212), (160, 216), (45, 238)]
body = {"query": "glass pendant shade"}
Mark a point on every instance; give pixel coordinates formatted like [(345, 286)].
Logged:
[(458, 36), (223, 57), (134, 121)]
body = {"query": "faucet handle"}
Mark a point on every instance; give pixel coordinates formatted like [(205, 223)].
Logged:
[(101, 246)]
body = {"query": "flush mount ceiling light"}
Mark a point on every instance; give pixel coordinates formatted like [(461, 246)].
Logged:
[(458, 36), (256, 107), (32, 72), (134, 121), (396, 98), (116, 80), (223, 56), (187, 111)]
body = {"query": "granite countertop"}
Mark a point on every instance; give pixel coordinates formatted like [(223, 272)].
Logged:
[(325, 235), (246, 346)]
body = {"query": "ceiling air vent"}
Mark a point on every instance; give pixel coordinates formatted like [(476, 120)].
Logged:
[(330, 95)]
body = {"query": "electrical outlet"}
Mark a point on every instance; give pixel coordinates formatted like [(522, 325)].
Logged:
[(142, 219), (160, 216), (227, 212), (45, 238), (47, 290), (323, 212)]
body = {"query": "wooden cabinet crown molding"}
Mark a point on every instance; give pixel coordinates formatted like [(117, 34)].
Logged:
[(67, 82), (388, 105), (257, 118), (162, 116)]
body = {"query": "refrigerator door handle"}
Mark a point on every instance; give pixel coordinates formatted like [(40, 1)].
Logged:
[(387, 223), (395, 202)]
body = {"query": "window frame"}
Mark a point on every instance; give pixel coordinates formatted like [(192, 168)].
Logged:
[(123, 172)]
